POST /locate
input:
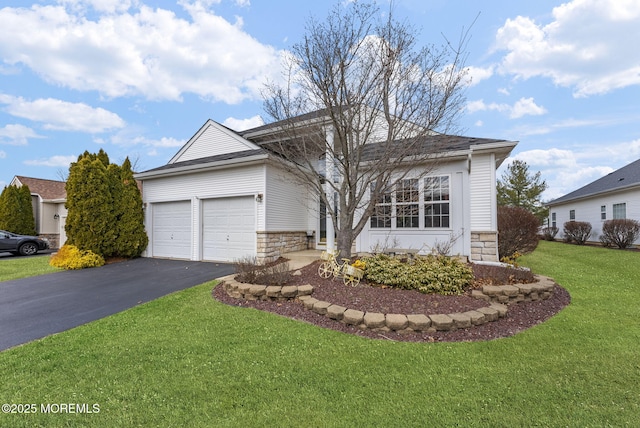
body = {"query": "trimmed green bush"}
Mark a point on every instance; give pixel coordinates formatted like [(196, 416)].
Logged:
[(430, 274), (70, 257)]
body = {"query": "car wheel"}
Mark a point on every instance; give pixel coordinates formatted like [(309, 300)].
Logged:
[(28, 249)]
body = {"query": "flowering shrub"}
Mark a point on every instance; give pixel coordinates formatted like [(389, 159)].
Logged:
[(430, 274), (512, 259), (359, 264), (71, 257)]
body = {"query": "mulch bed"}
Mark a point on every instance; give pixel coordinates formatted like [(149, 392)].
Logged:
[(367, 298)]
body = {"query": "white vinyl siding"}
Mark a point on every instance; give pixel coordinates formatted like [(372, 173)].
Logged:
[(212, 140), (482, 186), (590, 210), (196, 187), (287, 203)]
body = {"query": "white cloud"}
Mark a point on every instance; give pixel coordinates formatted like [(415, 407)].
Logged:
[(476, 75), (17, 135), (242, 124), (526, 107), (62, 115), (479, 123), (133, 49), (131, 137), (3, 154), (53, 161), (522, 107), (589, 46)]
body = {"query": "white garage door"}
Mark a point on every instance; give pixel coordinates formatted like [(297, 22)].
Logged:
[(228, 228), (172, 230)]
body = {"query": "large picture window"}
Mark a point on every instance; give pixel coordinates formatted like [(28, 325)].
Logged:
[(414, 204), (436, 202), (407, 203), (619, 211)]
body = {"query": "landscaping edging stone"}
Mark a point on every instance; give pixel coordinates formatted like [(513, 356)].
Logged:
[(498, 297)]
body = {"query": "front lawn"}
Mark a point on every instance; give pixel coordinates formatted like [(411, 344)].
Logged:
[(23, 267), (188, 360)]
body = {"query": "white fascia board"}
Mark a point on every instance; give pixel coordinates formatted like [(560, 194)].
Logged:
[(201, 167)]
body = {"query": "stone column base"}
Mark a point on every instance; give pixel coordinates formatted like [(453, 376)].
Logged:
[(272, 245), (484, 246)]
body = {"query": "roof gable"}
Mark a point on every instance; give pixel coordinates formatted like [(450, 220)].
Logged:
[(47, 189), (625, 177), (212, 139)]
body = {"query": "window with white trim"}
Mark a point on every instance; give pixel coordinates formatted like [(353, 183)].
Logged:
[(572, 215), (603, 212), (414, 204), (381, 217), (553, 220), (436, 202), (407, 203), (620, 211)]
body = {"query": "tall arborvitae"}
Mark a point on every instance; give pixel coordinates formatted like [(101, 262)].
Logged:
[(132, 237), (105, 207), (16, 211), (90, 219)]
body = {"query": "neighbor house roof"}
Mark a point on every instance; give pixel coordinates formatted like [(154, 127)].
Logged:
[(47, 189), (621, 179)]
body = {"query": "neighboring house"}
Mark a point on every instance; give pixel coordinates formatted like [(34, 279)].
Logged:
[(222, 196), (48, 198), (614, 196)]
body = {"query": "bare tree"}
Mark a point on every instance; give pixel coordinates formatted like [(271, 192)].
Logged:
[(360, 105)]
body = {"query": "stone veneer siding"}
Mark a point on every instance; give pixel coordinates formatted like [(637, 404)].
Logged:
[(484, 246), (53, 238), (272, 245)]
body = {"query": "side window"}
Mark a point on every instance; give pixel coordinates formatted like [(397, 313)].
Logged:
[(436, 202), (603, 212), (572, 215), (553, 220), (620, 211), (407, 206), (381, 217)]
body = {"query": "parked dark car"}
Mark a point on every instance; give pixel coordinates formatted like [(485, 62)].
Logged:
[(21, 244)]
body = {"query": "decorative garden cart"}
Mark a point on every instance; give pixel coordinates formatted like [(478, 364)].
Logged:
[(351, 275)]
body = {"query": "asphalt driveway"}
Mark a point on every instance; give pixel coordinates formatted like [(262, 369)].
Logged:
[(32, 308)]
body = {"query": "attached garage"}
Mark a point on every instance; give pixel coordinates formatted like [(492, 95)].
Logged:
[(171, 229), (228, 228)]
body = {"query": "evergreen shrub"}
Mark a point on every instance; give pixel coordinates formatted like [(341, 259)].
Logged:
[(430, 274)]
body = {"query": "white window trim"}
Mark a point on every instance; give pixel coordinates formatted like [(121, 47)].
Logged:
[(421, 208)]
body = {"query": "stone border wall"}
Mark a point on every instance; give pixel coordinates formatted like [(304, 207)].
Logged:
[(498, 298), (53, 238), (272, 245), (484, 246)]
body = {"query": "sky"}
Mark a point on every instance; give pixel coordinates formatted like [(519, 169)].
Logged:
[(138, 78)]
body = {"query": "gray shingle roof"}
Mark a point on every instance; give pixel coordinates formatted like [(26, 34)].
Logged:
[(626, 176), (208, 160)]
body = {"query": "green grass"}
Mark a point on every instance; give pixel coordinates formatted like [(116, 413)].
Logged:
[(23, 267), (187, 360)]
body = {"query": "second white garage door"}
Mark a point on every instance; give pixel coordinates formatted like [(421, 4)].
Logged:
[(228, 228)]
